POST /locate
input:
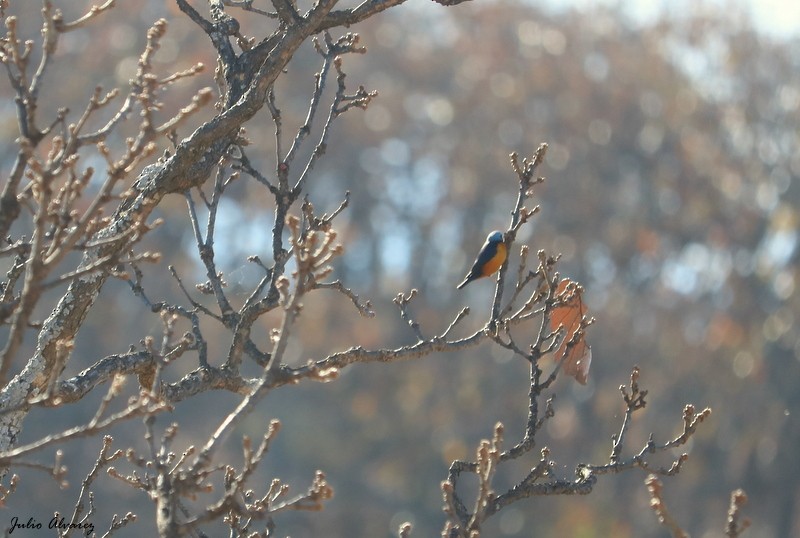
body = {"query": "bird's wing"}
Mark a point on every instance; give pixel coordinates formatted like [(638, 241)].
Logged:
[(488, 252)]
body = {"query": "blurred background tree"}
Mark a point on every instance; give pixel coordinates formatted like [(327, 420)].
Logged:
[(672, 196)]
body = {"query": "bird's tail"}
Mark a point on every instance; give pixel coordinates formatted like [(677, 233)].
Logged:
[(469, 278)]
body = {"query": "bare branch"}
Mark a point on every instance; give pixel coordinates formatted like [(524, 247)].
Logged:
[(144, 405), (81, 22), (365, 308), (402, 302), (734, 527), (654, 487)]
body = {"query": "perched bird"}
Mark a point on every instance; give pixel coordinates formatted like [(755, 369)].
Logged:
[(489, 260)]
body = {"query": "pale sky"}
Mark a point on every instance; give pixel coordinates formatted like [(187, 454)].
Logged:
[(779, 18)]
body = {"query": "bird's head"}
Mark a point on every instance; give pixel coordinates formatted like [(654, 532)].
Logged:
[(495, 237)]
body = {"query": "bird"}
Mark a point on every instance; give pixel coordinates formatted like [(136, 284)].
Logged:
[(490, 258)]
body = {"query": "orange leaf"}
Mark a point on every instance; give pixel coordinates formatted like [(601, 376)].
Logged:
[(568, 315)]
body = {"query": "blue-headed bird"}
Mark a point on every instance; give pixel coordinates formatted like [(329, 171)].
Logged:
[(490, 258)]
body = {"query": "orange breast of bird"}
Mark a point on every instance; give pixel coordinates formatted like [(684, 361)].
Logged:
[(496, 261)]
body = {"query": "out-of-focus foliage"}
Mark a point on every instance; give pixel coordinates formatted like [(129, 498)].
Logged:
[(672, 195)]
